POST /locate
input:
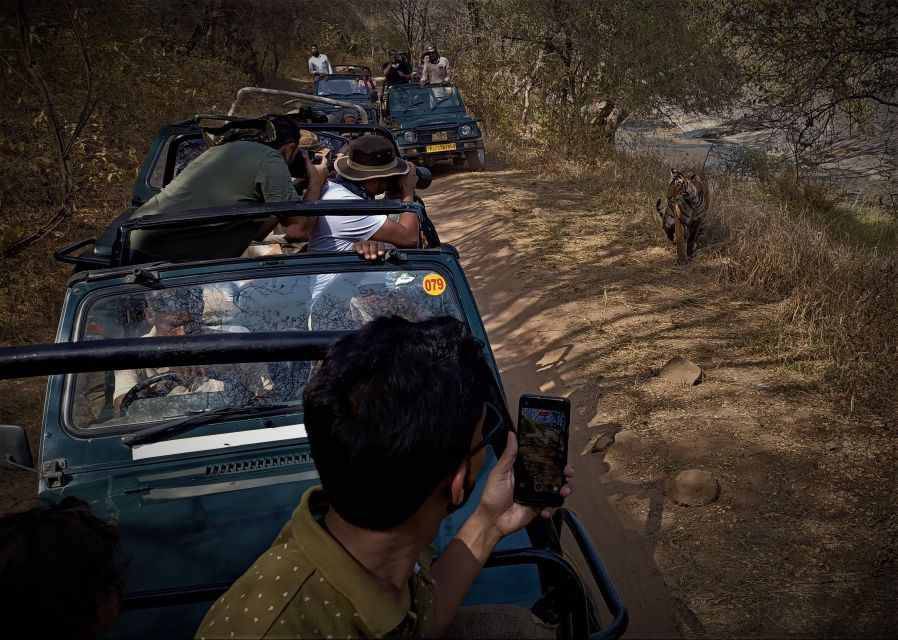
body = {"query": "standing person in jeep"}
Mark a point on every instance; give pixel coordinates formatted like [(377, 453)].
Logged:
[(319, 64), (436, 67), (395, 70)]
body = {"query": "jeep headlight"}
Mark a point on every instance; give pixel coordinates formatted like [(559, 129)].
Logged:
[(465, 130), (409, 136)]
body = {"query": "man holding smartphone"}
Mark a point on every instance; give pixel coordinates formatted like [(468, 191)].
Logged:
[(398, 418)]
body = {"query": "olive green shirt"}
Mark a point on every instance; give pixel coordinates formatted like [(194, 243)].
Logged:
[(234, 173), (307, 586), (231, 174)]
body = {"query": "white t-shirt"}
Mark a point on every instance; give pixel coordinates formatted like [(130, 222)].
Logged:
[(320, 64), (339, 233)]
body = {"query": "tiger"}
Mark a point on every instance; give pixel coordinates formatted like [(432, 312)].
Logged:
[(682, 218)]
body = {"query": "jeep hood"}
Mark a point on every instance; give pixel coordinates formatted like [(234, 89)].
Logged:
[(432, 120)]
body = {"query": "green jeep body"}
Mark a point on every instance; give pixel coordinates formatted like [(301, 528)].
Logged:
[(431, 124), (201, 483)]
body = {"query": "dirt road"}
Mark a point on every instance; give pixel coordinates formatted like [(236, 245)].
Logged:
[(581, 298), (534, 347)]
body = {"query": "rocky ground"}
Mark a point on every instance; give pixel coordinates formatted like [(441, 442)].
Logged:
[(749, 504)]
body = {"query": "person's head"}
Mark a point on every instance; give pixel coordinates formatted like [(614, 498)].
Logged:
[(315, 50), (432, 54), (286, 130), (175, 312), (371, 162), (60, 572), (393, 55), (391, 415)]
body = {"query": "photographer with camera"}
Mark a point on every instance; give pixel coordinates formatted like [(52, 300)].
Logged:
[(395, 70), (247, 163), (369, 168)]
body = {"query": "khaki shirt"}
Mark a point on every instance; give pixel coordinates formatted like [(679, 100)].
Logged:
[(307, 586), (436, 72)]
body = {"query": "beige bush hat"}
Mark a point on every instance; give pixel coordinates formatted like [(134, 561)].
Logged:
[(368, 157)]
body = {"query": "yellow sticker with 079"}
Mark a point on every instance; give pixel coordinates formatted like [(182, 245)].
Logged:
[(433, 284)]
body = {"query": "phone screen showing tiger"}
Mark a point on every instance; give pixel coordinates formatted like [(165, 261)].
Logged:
[(543, 423)]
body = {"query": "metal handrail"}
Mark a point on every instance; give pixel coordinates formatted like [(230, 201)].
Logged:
[(300, 96), (129, 353)]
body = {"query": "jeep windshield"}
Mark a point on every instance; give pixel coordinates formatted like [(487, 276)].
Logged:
[(298, 302), (342, 87), (407, 100)]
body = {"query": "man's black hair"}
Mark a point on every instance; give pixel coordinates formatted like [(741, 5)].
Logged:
[(57, 564), (286, 130), (390, 414)]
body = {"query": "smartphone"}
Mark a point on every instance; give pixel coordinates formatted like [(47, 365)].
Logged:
[(543, 424)]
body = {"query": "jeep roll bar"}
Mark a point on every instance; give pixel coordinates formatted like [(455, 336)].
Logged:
[(126, 353), (296, 96), (120, 254)]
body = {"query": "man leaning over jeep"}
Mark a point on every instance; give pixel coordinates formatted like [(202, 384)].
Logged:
[(394, 459), (250, 169)]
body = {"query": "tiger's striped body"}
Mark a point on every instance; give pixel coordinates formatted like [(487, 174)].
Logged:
[(681, 219)]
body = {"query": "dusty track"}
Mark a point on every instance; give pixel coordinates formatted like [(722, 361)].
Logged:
[(531, 343), (581, 298)]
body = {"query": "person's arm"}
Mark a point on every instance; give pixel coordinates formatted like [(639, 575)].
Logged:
[(311, 68), (497, 516), (299, 228), (276, 185), (448, 71), (405, 232), (327, 62)]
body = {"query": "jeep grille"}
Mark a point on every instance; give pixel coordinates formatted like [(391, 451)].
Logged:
[(255, 464)]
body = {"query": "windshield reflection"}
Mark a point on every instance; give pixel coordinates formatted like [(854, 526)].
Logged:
[(316, 302)]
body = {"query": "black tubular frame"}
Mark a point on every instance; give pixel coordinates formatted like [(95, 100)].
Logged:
[(549, 559), (308, 208), (128, 353)]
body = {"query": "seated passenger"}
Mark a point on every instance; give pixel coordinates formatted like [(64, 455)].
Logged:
[(78, 552), (366, 171), (245, 171), (398, 423), (179, 312)]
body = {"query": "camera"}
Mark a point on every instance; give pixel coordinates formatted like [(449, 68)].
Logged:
[(298, 165), (308, 114), (424, 180)]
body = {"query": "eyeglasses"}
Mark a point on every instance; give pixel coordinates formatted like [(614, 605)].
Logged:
[(494, 423)]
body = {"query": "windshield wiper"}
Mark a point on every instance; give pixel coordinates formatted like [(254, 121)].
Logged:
[(166, 430)]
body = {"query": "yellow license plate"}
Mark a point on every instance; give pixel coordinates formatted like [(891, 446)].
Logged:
[(431, 148), (440, 135)]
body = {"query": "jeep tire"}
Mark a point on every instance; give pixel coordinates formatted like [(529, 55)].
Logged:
[(476, 160)]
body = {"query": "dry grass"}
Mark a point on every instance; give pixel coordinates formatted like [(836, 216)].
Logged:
[(835, 272), (800, 542), (832, 266)]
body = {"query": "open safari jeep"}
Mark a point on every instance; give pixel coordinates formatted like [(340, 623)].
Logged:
[(174, 404), (431, 123)]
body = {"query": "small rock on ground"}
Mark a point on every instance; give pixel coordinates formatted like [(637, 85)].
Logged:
[(598, 442), (694, 488), (681, 371)]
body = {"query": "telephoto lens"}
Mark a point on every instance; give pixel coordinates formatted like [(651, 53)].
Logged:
[(424, 180)]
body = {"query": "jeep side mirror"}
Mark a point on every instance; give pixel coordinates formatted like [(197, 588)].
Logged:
[(14, 450)]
